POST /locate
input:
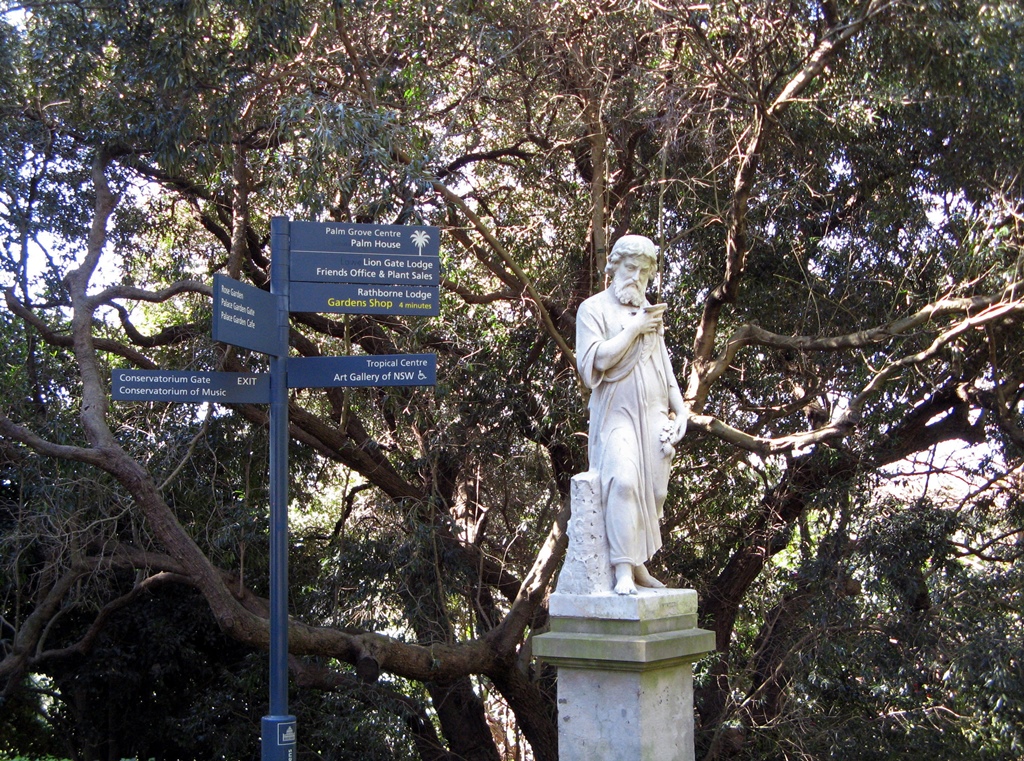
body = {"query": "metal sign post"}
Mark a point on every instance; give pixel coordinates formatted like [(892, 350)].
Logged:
[(279, 731), (340, 268)]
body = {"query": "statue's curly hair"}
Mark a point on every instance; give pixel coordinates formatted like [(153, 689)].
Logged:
[(632, 245)]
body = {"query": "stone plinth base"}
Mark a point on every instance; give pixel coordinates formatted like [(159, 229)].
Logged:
[(625, 683)]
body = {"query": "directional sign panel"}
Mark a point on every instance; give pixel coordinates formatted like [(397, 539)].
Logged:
[(372, 370), (376, 240), (355, 298), (171, 386), (245, 316), (365, 268)]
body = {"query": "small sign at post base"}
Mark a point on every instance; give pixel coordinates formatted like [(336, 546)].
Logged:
[(279, 739)]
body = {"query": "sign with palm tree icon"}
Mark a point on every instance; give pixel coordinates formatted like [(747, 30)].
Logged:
[(334, 252)]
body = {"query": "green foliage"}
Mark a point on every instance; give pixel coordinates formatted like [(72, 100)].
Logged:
[(889, 640), (863, 621)]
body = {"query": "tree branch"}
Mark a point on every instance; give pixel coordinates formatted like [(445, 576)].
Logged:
[(66, 340), (32, 440), (169, 335), (983, 310), (524, 279), (752, 335), (130, 293), (749, 148), (823, 54), (86, 642)]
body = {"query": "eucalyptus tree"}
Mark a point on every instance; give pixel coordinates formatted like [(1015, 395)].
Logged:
[(837, 194)]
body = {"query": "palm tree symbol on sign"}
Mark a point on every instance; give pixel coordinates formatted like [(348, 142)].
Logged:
[(420, 239)]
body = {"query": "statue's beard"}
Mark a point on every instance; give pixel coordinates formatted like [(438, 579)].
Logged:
[(628, 294)]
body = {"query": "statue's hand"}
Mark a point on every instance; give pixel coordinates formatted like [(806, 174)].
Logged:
[(646, 321)]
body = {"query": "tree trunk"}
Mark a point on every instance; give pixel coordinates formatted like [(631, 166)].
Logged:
[(463, 722), (767, 537), (534, 709)]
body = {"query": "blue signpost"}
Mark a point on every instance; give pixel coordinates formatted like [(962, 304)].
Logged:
[(361, 298), (373, 240), (333, 274), (367, 370), (198, 387), (339, 268), (319, 267), (246, 316), (279, 729)]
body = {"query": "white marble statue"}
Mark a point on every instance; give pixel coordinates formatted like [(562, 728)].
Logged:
[(637, 413)]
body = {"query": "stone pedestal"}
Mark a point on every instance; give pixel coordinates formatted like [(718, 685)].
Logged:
[(625, 680)]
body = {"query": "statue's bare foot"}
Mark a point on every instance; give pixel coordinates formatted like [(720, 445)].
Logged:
[(625, 587), (624, 584), (644, 579)]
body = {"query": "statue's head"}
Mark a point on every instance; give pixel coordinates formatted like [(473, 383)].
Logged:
[(632, 260), (632, 245)]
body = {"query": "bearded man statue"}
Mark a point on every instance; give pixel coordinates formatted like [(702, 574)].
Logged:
[(637, 413)]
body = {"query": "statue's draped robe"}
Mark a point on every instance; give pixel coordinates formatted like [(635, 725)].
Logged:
[(629, 410)]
